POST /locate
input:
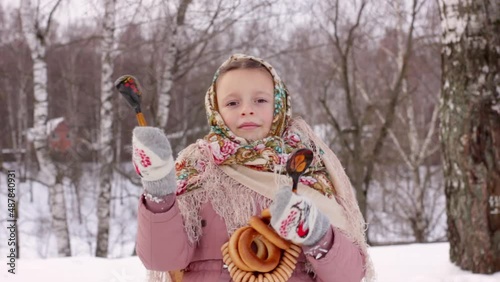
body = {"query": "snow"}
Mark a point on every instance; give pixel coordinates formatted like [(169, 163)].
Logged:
[(408, 263), (77, 269), (421, 263), (53, 123)]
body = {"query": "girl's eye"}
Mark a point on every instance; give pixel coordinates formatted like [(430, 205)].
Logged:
[(231, 104), (261, 101)]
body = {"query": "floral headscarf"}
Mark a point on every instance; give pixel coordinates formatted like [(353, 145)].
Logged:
[(282, 106), (267, 154)]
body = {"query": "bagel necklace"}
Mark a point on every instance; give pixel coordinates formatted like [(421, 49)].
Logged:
[(256, 253)]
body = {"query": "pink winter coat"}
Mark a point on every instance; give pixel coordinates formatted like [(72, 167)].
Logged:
[(163, 245)]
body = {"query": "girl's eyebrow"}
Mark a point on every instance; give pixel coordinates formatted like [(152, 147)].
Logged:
[(231, 95)]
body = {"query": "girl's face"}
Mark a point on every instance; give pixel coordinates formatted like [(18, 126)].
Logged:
[(245, 99)]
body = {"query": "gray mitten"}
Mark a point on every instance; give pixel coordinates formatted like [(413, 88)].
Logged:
[(296, 218), (153, 161)]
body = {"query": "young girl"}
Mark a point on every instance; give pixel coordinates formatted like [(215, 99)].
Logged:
[(190, 209)]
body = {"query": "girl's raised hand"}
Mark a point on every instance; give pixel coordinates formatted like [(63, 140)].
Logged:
[(153, 160)]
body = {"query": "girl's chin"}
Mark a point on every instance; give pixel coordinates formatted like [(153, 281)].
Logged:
[(252, 138)]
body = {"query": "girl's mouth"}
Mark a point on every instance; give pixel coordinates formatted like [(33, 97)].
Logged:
[(248, 125)]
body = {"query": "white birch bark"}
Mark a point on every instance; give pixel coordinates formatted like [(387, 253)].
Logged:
[(106, 151), (166, 77), (35, 30)]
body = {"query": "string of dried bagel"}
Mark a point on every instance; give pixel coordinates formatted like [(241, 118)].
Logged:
[(256, 253)]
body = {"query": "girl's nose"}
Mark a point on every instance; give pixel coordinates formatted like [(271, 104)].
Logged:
[(247, 109)]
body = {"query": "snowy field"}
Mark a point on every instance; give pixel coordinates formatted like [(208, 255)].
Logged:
[(405, 263)]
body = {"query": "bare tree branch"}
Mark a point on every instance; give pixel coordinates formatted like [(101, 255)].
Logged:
[(334, 121), (427, 141), (45, 33), (394, 93)]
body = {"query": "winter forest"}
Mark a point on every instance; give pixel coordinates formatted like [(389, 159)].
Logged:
[(405, 92)]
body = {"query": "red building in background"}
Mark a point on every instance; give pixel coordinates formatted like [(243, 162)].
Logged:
[(58, 135)]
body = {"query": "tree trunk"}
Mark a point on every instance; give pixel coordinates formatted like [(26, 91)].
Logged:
[(417, 219), (106, 151), (36, 37), (470, 131), (166, 77), (59, 220)]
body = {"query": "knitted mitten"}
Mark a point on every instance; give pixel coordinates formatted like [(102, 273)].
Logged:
[(296, 218), (153, 161)]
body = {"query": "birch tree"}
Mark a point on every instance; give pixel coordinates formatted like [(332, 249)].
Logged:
[(36, 27), (166, 71), (106, 151), (470, 131)]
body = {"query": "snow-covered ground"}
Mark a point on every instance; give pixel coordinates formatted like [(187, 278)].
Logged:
[(404, 263)]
